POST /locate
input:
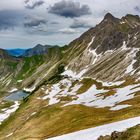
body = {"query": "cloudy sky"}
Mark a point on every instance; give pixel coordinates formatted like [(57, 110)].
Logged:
[(25, 23)]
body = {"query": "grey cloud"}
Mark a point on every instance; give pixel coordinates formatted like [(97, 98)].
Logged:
[(34, 23), (54, 22), (80, 24), (26, 1), (34, 4), (137, 8), (10, 19), (69, 9)]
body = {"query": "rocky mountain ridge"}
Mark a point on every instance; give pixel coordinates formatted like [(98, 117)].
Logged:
[(109, 43)]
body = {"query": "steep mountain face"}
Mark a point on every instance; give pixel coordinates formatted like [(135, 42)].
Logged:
[(109, 51), (95, 80), (7, 68), (45, 71)]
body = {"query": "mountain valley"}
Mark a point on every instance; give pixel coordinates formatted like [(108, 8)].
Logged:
[(91, 82)]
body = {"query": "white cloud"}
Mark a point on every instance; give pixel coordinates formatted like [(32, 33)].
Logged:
[(68, 31)]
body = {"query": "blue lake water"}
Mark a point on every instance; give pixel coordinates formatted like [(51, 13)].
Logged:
[(17, 96)]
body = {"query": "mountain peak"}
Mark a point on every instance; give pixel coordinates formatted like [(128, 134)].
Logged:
[(109, 16), (132, 17), (39, 45), (37, 50), (133, 20)]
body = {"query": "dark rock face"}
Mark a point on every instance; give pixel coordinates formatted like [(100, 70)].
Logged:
[(130, 134), (104, 138), (110, 40), (114, 136), (109, 17)]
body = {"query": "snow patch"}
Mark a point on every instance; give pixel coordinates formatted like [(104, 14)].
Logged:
[(118, 107), (122, 22), (131, 55), (95, 55), (51, 95), (19, 81), (109, 84), (124, 46), (93, 52), (96, 132), (130, 67), (33, 113), (57, 92), (8, 135), (87, 97), (74, 75), (29, 89), (89, 44), (8, 111), (13, 90)]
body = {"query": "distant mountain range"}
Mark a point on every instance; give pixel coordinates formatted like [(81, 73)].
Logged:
[(37, 50), (16, 52)]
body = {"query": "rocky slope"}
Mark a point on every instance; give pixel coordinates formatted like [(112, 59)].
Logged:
[(130, 134), (94, 80), (113, 45)]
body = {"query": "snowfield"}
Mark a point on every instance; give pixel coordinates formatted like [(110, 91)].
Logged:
[(96, 132), (90, 98), (93, 97)]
